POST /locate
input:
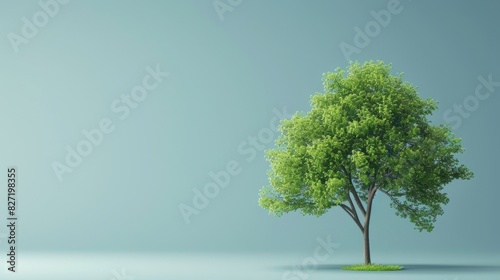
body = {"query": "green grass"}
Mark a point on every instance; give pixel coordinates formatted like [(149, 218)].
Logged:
[(372, 267)]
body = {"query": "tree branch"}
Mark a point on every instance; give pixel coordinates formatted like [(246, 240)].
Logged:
[(393, 199), (354, 212), (371, 195), (347, 209), (352, 189), (388, 194), (356, 198), (374, 181), (353, 216)]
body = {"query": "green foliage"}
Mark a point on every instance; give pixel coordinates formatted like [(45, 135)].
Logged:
[(368, 129), (372, 267)]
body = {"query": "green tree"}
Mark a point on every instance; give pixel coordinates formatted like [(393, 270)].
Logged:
[(367, 134)]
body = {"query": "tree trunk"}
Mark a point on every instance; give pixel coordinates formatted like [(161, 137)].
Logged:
[(366, 228), (366, 239)]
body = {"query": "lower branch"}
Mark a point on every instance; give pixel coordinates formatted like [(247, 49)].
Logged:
[(353, 216)]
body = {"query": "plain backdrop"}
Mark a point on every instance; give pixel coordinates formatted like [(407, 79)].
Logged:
[(227, 78)]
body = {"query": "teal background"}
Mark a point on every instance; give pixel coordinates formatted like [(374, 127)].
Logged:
[(226, 77)]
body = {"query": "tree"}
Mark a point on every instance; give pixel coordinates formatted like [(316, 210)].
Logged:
[(367, 134)]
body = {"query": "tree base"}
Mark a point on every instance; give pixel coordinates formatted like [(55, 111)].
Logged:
[(372, 267)]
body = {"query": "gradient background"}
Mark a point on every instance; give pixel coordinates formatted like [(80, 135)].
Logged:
[(226, 78)]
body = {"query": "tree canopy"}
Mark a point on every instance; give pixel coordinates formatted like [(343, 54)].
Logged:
[(369, 131)]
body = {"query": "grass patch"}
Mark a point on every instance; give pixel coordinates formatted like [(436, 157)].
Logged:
[(372, 267)]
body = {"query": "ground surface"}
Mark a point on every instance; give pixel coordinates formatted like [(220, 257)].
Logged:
[(243, 267)]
